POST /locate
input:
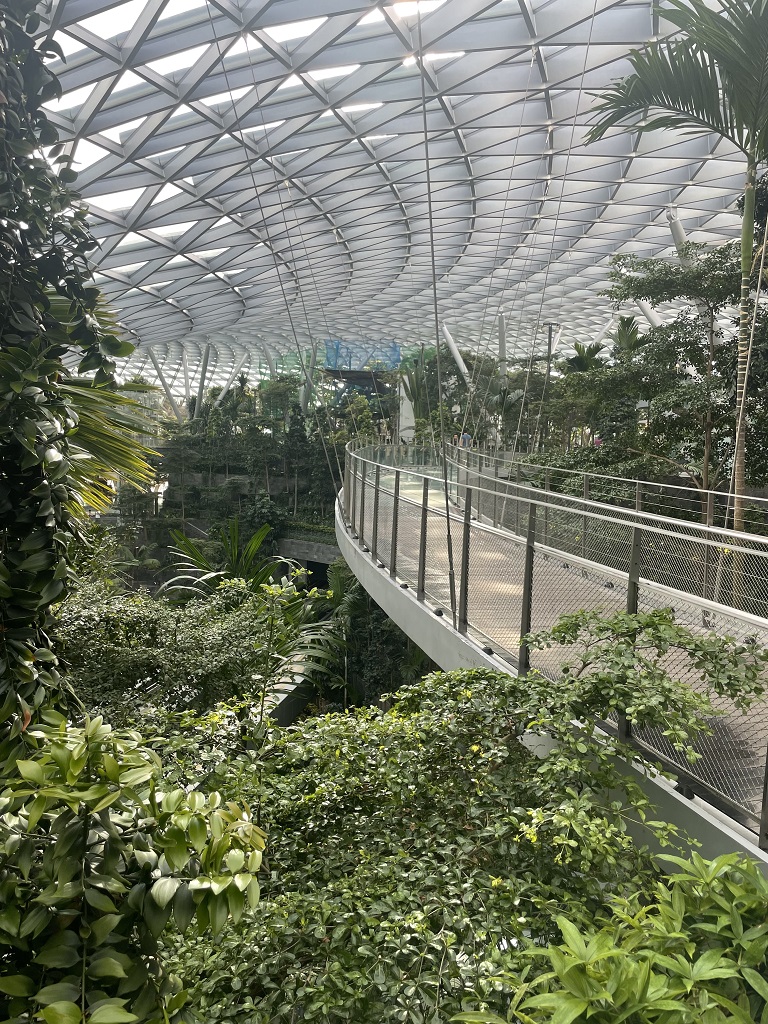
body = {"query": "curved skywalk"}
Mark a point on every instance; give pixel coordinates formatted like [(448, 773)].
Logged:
[(257, 171), (524, 556)]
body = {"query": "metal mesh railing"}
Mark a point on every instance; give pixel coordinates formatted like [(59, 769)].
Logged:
[(524, 556)]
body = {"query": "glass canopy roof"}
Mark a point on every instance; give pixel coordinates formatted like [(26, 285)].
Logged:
[(264, 175)]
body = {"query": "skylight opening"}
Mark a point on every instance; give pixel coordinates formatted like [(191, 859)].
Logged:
[(115, 21), (173, 230), (290, 81), (294, 30), (117, 133), (132, 238), (359, 108), (174, 7), (322, 74), (166, 192), (435, 56), (113, 201), (128, 268), (76, 98), (371, 17), (262, 127), (244, 45), (206, 254), (225, 97), (126, 80), (177, 61), (410, 8), (177, 259), (86, 154), (373, 138)]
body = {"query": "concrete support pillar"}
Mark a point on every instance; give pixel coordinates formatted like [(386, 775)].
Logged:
[(164, 385)]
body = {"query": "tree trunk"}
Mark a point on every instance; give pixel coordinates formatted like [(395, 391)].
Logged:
[(747, 244)]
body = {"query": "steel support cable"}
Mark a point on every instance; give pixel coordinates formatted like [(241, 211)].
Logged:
[(560, 197), (283, 292), (441, 403), (476, 369)]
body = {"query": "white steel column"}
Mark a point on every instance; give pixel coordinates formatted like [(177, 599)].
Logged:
[(164, 385)]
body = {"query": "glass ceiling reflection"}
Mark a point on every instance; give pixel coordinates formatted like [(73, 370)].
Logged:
[(270, 174)]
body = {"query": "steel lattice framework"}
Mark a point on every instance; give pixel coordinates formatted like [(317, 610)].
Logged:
[(268, 174)]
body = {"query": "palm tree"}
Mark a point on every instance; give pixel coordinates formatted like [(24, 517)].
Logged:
[(584, 359), (198, 576), (627, 339), (715, 79)]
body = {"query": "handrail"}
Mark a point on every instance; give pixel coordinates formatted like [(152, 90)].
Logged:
[(546, 553), (704, 499)]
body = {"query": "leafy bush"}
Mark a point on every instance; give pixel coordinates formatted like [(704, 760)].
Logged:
[(410, 848), (694, 951), (124, 650), (94, 861)]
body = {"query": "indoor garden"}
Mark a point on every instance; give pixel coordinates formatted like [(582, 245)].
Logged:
[(414, 846)]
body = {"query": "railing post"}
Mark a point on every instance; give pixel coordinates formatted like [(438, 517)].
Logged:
[(546, 506), (395, 517), (353, 516), (421, 573), (464, 577), (763, 836), (347, 462), (517, 498), (479, 483), (375, 529), (633, 593), (707, 548), (524, 656), (495, 491), (363, 473), (639, 496), (585, 519)]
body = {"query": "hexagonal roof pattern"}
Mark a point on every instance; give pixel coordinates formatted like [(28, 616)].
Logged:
[(265, 175)]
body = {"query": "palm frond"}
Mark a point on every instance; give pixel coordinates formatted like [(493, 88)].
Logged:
[(714, 79), (104, 445), (197, 576)]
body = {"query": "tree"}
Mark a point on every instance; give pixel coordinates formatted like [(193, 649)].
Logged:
[(714, 79), (585, 358), (683, 362), (627, 340)]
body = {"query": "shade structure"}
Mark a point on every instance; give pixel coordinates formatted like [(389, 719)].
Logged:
[(268, 175)]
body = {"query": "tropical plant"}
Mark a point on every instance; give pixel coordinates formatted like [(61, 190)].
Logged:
[(97, 857), (584, 359), (627, 339), (696, 951), (714, 78), (415, 852), (197, 575)]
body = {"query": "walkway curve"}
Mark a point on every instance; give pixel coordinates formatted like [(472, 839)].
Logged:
[(523, 557)]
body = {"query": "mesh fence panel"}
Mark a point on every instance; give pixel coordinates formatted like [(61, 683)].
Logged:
[(560, 587), (436, 565), (733, 761), (495, 590), (409, 518), (384, 524), (588, 571)]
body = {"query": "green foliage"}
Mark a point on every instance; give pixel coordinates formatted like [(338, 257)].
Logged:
[(415, 852), (126, 649), (95, 859), (694, 951), (647, 667), (94, 856), (196, 575), (47, 473)]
